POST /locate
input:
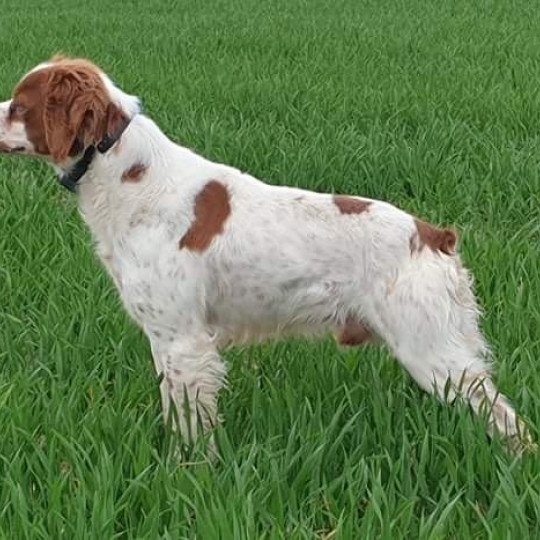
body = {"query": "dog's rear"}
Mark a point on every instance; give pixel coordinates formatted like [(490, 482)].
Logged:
[(364, 270), (430, 320)]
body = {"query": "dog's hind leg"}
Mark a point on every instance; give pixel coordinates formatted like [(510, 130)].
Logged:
[(429, 318)]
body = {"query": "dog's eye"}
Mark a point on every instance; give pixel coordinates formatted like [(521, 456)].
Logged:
[(15, 109)]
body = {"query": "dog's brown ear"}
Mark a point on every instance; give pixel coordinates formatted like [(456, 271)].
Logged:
[(76, 110), (116, 120)]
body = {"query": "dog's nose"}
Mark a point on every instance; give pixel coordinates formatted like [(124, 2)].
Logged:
[(4, 107), (5, 148)]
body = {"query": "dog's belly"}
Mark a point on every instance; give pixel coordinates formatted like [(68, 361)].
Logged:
[(249, 313)]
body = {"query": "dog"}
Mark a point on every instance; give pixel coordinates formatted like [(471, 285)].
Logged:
[(205, 256)]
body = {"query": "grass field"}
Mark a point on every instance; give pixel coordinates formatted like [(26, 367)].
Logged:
[(431, 105)]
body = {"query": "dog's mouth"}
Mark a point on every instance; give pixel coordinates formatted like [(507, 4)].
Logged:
[(14, 150), (4, 149)]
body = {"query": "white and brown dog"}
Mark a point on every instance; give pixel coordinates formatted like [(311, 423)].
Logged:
[(205, 256)]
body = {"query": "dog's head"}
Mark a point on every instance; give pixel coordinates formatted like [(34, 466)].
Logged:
[(60, 108)]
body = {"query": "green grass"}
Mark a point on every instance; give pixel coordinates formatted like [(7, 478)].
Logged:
[(432, 105)]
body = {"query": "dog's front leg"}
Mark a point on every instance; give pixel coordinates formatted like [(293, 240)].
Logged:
[(192, 373)]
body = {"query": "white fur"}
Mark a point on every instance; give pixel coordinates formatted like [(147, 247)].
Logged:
[(288, 262), (12, 134)]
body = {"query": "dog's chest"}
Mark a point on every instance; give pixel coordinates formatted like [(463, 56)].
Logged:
[(138, 242)]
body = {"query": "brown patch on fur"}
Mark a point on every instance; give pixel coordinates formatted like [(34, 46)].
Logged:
[(354, 333), (351, 205), (67, 108), (436, 239), (212, 208), (134, 173)]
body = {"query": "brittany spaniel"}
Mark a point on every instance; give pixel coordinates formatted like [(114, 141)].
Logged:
[(205, 256)]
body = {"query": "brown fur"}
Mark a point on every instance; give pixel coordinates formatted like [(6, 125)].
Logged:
[(67, 108), (351, 205), (444, 240), (134, 173), (354, 333), (30, 95), (212, 208)]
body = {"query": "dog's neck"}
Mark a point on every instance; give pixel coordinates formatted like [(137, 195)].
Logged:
[(140, 139), (141, 143), (105, 197), (70, 177), (74, 168)]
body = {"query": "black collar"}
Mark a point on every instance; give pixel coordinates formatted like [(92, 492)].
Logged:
[(69, 179)]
